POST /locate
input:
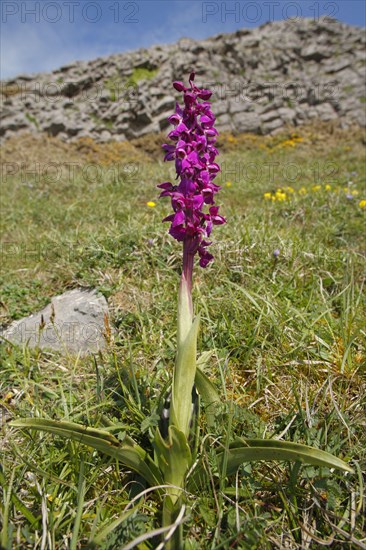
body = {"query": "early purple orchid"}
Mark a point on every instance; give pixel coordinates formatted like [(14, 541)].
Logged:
[(194, 154)]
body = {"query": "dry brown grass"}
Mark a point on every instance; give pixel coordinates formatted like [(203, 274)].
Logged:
[(317, 135), (31, 149)]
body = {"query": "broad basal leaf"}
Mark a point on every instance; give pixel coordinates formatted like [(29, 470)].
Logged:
[(127, 452), (250, 450), (174, 458)]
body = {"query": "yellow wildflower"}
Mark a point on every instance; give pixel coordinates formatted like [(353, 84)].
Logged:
[(316, 188), (328, 187), (267, 196), (354, 192), (228, 184), (288, 143), (290, 189), (362, 204), (280, 196), (302, 191), (151, 204)]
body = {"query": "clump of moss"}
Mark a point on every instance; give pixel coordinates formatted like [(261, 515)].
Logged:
[(139, 74)]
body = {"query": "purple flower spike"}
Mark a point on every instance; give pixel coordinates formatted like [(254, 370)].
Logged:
[(194, 154)]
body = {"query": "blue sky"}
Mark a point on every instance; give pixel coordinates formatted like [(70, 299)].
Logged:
[(42, 35)]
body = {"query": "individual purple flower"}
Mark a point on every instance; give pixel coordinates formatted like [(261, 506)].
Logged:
[(194, 153)]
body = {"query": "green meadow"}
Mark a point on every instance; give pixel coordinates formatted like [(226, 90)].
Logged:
[(282, 309)]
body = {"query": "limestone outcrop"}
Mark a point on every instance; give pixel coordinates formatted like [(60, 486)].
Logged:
[(282, 73)]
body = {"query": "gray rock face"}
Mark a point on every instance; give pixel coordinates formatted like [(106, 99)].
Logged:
[(285, 72), (72, 322)]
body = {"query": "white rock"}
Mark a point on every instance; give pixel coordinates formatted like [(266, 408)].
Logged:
[(77, 325)]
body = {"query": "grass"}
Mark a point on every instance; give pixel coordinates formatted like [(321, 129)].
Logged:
[(116, 85), (287, 333), (32, 119)]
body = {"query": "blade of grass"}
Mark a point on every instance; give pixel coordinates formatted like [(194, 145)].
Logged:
[(5, 528), (79, 510)]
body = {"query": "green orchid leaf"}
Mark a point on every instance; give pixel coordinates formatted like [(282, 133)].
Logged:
[(170, 514), (253, 450), (205, 388), (127, 452), (183, 379), (209, 395), (203, 359), (250, 450), (174, 458), (185, 311)]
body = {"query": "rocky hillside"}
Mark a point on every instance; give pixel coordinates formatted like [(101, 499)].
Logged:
[(286, 72)]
